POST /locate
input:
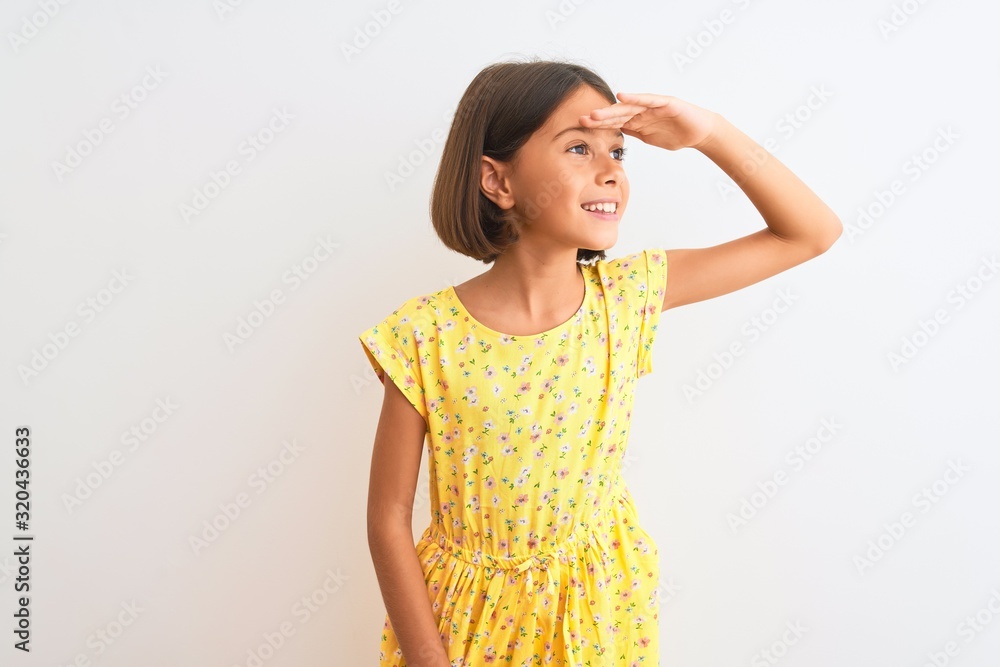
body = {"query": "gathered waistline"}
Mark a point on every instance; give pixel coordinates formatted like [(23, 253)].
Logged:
[(542, 559)]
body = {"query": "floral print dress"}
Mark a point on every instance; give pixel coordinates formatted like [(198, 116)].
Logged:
[(534, 554)]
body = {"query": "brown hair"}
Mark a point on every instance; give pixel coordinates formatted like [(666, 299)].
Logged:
[(505, 103)]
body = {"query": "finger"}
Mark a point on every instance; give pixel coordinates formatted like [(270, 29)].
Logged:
[(617, 109), (646, 99), (616, 121)]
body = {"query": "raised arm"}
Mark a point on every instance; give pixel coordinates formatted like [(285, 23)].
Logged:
[(800, 225)]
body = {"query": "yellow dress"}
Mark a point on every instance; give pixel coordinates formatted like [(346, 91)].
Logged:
[(534, 554)]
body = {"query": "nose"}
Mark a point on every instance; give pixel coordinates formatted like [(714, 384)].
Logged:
[(610, 171)]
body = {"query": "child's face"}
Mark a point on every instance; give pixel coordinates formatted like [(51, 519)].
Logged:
[(560, 169)]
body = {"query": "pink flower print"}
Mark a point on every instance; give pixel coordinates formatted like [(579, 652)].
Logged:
[(547, 385), (625, 594), (563, 472), (644, 641), (560, 418), (488, 372), (490, 483), (503, 437), (562, 359), (532, 543), (522, 499), (525, 386)]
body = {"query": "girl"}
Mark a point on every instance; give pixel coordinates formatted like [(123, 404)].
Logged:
[(521, 379)]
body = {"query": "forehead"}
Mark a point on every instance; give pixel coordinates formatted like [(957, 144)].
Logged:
[(567, 115)]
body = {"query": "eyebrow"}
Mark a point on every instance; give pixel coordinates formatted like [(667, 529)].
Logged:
[(588, 130)]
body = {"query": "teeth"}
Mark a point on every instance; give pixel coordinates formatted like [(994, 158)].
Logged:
[(606, 207)]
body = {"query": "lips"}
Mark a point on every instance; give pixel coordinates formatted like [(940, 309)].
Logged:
[(604, 217)]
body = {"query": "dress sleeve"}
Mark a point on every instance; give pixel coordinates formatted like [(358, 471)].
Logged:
[(392, 347), (655, 260)]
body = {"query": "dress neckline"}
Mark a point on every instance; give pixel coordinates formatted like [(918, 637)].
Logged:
[(548, 332)]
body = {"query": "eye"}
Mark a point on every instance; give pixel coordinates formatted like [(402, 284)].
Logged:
[(620, 151)]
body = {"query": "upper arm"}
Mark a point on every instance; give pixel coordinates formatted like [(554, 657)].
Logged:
[(399, 440), (697, 274), (394, 348)]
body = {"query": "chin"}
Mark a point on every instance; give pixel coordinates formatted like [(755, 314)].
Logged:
[(600, 247)]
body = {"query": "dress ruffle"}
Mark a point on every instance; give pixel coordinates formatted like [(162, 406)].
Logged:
[(501, 604)]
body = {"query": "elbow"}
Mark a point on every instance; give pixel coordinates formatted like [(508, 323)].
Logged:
[(832, 230), (386, 524)]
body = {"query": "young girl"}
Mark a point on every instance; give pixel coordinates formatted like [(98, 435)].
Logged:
[(521, 380)]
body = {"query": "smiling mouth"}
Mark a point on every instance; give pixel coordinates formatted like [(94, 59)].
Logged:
[(604, 207)]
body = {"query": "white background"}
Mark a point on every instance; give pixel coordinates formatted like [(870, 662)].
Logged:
[(104, 541)]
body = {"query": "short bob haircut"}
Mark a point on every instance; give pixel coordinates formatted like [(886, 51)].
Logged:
[(505, 103)]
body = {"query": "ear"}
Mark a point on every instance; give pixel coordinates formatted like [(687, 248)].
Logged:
[(494, 182)]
